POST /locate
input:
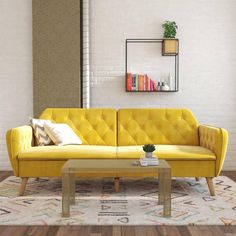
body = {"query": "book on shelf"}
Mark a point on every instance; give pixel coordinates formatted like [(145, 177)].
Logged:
[(151, 85), (154, 86), (136, 81), (129, 82), (133, 83), (147, 82), (140, 82), (144, 83)]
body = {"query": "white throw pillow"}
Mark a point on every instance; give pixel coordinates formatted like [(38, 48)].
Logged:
[(39, 132), (62, 134)]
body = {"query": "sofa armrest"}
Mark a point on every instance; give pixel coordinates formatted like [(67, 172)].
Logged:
[(18, 139), (215, 139)]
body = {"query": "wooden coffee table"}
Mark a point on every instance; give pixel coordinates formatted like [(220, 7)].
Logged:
[(116, 168)]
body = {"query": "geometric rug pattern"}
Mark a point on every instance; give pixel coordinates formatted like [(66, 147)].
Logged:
[(135, 204)]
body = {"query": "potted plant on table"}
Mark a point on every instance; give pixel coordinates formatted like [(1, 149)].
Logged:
[(170, 43), (148, 149)]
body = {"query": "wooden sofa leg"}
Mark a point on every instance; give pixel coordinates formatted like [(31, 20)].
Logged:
[(197, 179), (117, 184), (210, 185), (24, 181)]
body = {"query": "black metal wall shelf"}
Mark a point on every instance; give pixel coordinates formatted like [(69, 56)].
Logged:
[(176, 64)]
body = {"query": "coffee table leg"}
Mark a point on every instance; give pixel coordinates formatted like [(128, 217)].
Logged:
[(167, 192), (72, 189), (160, 187), (65, 195), (117, 184)]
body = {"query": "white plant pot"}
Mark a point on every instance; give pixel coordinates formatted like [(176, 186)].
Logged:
[(148, 154)]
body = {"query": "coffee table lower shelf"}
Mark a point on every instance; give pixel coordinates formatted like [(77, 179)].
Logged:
[(106, 168)]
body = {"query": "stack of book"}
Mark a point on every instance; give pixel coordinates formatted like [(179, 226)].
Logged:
[(151, 161), (138, 82)]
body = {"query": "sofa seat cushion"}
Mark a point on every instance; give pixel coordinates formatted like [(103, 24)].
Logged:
[(67, 152), (169, 152)]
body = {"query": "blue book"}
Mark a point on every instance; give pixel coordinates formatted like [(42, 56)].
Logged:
[(134, 82)]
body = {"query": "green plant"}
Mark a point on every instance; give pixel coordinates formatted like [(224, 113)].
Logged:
[(170, 29), (149, 148)]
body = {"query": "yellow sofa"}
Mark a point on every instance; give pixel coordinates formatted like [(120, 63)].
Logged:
[(192, 150)]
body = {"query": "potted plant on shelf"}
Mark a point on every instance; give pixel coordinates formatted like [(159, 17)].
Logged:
[(148, 149), (170, 43)]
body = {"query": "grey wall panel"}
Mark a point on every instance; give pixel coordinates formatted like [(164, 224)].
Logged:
[(56, 54)]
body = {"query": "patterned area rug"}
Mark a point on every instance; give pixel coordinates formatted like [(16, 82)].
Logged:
[(135, 204)]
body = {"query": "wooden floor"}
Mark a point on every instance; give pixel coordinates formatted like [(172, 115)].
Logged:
[(118, 230)]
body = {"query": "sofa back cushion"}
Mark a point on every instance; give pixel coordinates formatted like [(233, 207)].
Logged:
[(93, 126), (157, 126)]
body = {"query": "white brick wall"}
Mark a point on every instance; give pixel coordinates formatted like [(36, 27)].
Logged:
[(15, 69), (86, 70), (207, 33)]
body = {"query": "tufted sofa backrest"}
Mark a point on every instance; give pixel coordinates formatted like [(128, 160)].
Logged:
[(157, 126), (93, 126)]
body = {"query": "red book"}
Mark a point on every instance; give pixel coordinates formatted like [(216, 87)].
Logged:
[(129, 82), (151, 85), (154, 86)]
